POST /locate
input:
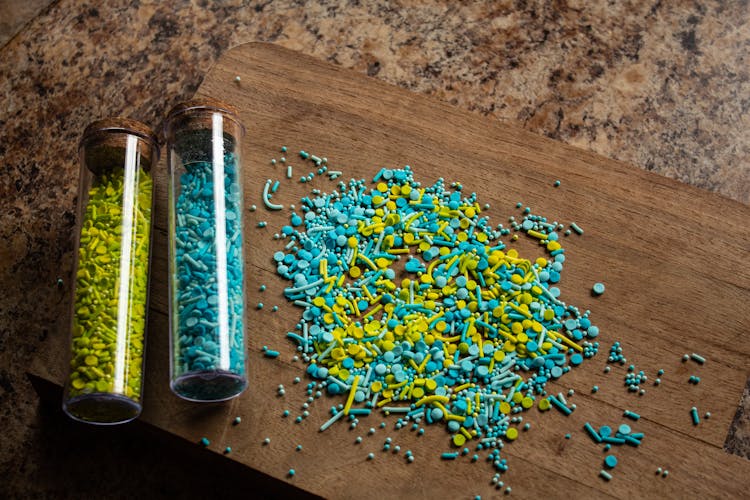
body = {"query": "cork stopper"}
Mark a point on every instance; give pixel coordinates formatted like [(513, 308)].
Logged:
[(195, 114), (201, 103), (104, 143), (188, 129)]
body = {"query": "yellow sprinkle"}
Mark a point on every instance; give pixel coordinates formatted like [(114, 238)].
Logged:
[(367, 261), (459, 440), (566, 340), (461, 388), (448, 339), (374, 309), (424, 363), (519, 309), (323, 268), (396, 386), (384, 402), (465, 433), (350, 399), (432, 399), (451, 416)]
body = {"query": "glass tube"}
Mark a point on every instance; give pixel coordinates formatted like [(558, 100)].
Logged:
[(207, 304), (110, 294)]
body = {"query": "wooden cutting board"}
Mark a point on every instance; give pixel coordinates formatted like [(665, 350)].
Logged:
[(674, 260)]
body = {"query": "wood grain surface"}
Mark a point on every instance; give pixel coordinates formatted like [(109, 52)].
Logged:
[(673, 258)]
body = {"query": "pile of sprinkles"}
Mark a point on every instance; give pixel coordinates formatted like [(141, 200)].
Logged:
[(413, 306)]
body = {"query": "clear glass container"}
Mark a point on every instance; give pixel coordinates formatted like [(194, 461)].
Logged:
[(110, 294), (206, 292)]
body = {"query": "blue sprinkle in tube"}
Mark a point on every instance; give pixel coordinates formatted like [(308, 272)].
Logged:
[(205, 243)]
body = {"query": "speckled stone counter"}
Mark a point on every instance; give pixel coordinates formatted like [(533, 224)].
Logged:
[(662, 85)]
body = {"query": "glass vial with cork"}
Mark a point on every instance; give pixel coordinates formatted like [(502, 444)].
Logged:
[(110, 294), (206, 291)]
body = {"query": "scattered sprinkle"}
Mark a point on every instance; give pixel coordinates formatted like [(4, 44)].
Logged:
[(632, 415), (694, 414), (698, 358)]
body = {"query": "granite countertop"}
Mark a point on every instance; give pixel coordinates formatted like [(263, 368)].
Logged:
[(657, 84)]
